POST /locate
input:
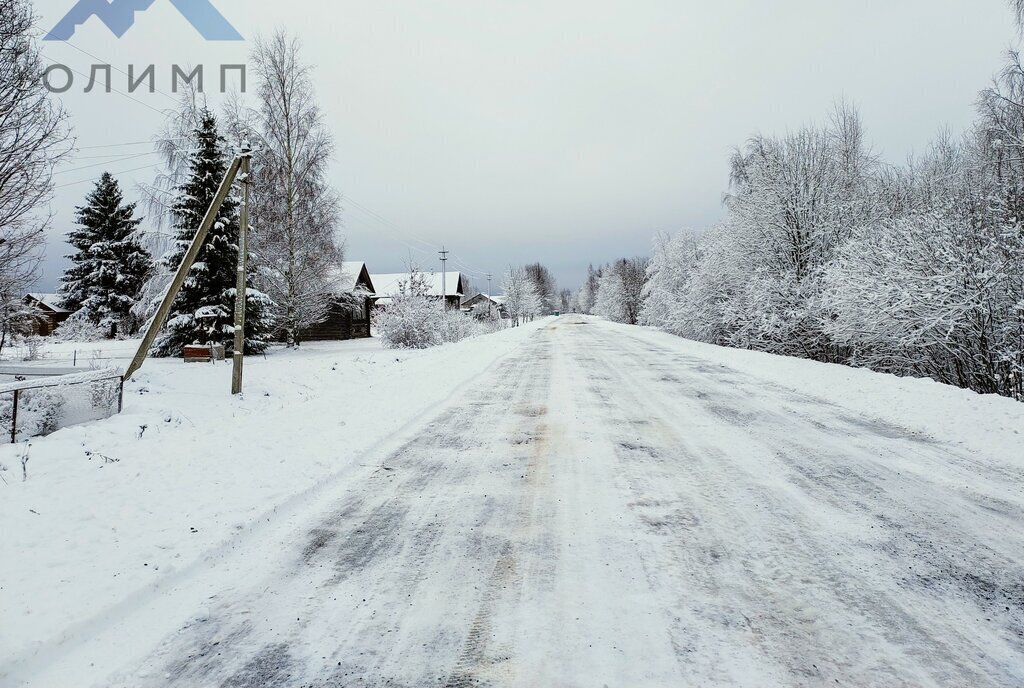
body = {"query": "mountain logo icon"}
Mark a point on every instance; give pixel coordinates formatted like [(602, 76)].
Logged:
[(119, 16)]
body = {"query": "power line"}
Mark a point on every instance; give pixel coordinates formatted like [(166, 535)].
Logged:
[(93, 179), (108, 162), (131, 143), (398, 233), (466, 266), (398, 237), (351, 201), (108, 156)]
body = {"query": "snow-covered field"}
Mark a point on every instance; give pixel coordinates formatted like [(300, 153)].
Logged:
[(569, 503)]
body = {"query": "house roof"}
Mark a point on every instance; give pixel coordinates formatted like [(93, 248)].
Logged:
[(495, 299), (387, 285), (52, 301), (349, 276)]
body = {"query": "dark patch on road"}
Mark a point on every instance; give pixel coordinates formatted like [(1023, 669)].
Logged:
[(531, 410), (210, 645), (638, 448), (978, 573), (881, 428), (270, 668), (732, 415), (475, 652), (318, 539)]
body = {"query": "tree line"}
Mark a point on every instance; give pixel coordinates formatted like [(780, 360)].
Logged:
[(828, 253)]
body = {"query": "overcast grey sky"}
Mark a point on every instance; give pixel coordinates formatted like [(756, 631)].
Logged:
[(567, 132)]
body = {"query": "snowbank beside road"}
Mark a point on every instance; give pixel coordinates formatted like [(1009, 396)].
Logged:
[(111, 508), (990, 424)]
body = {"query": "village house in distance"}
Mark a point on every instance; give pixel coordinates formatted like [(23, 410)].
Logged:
[(453, 287)]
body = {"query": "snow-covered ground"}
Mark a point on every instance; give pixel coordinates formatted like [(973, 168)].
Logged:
[(569, 503), (111, 509)]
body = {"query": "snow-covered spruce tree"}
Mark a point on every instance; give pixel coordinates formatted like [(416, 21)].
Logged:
[(209, 288), (110, 264)]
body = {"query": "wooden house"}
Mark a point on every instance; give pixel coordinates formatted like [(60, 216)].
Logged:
[(50, 312), (349, 315), (452, 287), (480, 301)]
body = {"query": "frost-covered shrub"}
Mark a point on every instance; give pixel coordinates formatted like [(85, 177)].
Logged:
[(409, 322), (103, 395), (417, 322), (79, 328), (933, 296), (33, 348), (455, 326), (39, 411)]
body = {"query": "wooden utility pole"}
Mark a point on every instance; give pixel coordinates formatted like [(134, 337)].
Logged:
[(444, 290), (186, 263), (241, 293), (488, 295)]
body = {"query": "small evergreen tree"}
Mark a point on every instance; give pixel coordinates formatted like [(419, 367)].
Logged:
[(110, 264), (209, 288)]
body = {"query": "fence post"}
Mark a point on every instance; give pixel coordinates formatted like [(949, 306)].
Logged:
[(14, 419), (120, 395)]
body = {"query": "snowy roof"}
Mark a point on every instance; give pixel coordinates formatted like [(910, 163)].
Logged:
[(54, 302), (388, 284), (347, 276), (495, 298)]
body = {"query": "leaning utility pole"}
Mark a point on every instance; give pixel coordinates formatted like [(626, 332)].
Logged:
[(179, 277), (241, 290), (444, 287)]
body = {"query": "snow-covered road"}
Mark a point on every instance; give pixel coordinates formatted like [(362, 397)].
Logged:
[(606, 509)]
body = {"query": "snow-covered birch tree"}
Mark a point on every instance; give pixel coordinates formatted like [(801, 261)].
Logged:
[(34, 138), (611, 302), (295, 211), (544, 285), (522, 302)]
